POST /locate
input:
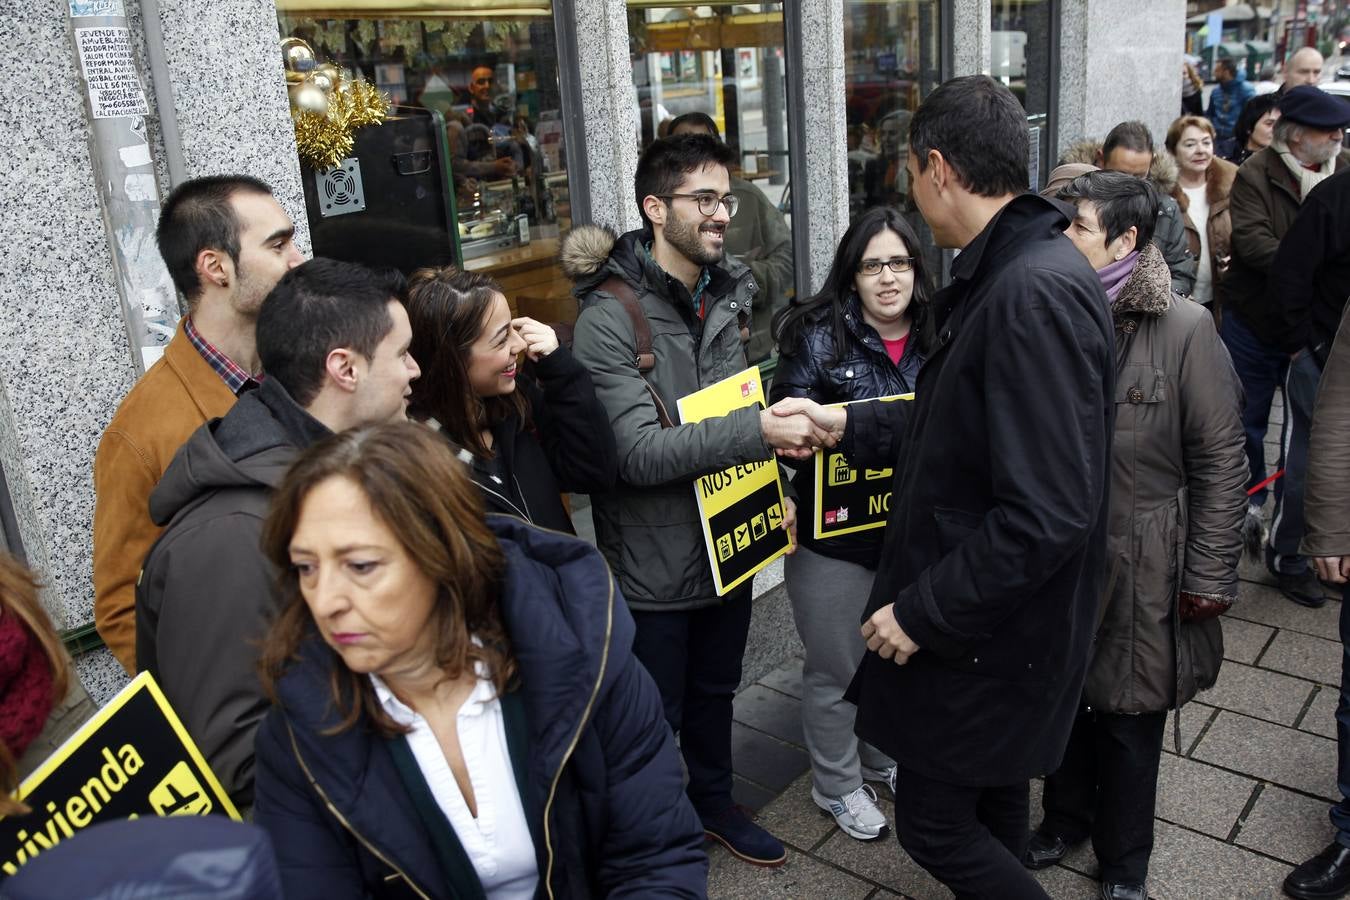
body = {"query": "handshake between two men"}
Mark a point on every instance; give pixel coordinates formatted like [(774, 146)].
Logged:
[(796, 428)]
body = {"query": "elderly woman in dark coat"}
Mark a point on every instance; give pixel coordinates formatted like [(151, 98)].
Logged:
[(1177, 504)]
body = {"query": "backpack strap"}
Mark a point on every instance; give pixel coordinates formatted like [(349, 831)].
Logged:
[(643, 357)]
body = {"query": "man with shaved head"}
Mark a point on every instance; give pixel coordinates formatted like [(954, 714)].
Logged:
[(1304, 67)]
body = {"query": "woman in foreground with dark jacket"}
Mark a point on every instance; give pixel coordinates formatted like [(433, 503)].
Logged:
[(1178, 473), (457, 709), (532, 435), (863, 336)]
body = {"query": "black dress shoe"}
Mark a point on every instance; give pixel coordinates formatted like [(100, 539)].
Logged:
[(1111, 891), (1304, 589), (1324, 877), (1044, 850)]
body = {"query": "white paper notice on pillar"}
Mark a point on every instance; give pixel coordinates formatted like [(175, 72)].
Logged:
[(110, 72), (93, 8)]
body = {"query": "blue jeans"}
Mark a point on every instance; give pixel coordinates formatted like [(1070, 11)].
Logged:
[(1261, 368), (1340, 813)]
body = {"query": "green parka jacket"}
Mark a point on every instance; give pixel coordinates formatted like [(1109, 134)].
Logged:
[(648, 526), (1177, 499)]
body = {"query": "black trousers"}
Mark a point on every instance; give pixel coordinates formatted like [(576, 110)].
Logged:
[(1106, 788), (969, 838), (695, 659)]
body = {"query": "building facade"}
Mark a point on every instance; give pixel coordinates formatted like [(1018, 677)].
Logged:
[(815, 95)]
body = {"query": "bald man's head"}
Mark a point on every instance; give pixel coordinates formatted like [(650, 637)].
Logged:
[(1304, 67)]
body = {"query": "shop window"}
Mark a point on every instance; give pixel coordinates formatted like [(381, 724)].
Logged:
[(470, 167), (1023, 42), (892, 60), (727, 63)]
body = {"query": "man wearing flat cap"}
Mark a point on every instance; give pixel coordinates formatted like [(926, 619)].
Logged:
[(1267, 193)]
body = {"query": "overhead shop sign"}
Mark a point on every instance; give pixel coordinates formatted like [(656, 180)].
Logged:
[(132, 759), (741, 507), (847, 499)]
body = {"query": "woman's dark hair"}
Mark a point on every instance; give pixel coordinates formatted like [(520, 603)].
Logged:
[(1256, 107), (423, 494), (447, 308), (790, 321), (1122, 201)]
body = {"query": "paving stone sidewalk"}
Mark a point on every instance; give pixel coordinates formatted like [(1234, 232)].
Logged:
[(1244, 801)]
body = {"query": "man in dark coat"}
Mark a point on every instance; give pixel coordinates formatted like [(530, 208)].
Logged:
[(333, 339), (983, 607), (1269, 189)]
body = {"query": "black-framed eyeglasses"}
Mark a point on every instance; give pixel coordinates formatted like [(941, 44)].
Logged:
[(896, 264), (708, 203)]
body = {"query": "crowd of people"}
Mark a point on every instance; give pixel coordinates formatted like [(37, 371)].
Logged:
[(331, 520)]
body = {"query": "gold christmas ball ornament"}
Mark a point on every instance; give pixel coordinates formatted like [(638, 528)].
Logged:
[(297, 55), (321, 81), (333, 72), (294, 78), (309, 97)]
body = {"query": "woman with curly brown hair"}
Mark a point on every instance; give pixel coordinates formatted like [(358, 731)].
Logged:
[(457, 708)]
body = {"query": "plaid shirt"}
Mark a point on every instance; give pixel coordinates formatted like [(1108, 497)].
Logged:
[(235, 378)]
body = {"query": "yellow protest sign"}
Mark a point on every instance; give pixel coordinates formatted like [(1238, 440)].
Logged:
[(849, 500), (741, 507), (132, 759)]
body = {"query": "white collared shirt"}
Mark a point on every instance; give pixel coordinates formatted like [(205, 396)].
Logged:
[(498, 842)]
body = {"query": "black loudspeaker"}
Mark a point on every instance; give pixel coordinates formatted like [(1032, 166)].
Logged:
[(387, 204)]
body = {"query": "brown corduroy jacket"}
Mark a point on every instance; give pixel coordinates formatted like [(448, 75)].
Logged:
[(174, 398)]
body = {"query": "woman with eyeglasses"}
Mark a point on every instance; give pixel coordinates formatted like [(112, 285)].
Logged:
[(457, 711), (863, 336), (532, 432)]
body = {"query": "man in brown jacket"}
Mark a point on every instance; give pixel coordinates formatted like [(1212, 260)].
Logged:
[(226, 242), (1266, 196), (1327, 543)]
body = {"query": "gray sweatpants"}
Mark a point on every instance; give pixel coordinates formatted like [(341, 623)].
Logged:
[(828, 597)]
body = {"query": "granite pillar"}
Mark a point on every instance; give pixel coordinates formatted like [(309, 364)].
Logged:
[(65, 359), (1129, 53), (228, 93), (972, 44), (822, 109), (609, 112)]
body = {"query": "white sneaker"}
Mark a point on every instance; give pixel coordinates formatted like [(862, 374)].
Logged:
[(856, 813)]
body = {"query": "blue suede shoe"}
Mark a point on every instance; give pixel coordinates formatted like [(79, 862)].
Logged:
[(746, 840)]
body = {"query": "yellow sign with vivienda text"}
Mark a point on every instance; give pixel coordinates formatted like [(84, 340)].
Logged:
[(741, 507), (132, 759), (848, 500)]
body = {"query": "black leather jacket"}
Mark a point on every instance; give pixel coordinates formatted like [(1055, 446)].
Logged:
[(863, 372)]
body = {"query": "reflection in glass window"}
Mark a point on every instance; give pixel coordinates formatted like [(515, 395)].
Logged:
[(891, 62), (494, 81), (1020, 58), (721, 66)]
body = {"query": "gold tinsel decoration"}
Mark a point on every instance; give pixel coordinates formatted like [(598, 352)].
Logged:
[(325, 139)]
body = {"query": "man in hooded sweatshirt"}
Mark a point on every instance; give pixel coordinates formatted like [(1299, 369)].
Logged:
[(333, 339)]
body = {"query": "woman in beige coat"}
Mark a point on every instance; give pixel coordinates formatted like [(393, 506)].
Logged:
[(1177, 504)]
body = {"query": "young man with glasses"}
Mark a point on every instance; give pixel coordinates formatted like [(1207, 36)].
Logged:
[(694, 300)]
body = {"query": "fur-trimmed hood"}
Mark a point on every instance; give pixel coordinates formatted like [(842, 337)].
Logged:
[(1149, 288), (585, 250), (1163, 171)]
